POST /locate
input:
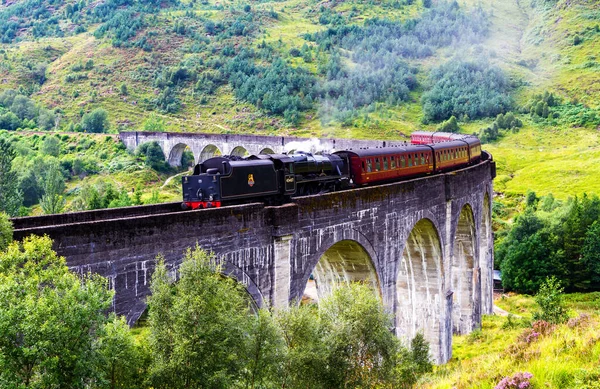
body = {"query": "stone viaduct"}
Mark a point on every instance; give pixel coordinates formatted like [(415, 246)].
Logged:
[(205, 146), (425, 245)]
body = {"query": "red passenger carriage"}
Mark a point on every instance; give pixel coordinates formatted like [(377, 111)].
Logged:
[(388, 163)]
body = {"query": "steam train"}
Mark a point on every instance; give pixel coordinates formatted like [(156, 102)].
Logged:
[(276, 178)]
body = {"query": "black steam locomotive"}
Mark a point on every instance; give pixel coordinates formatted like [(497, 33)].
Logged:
[(275, 178)]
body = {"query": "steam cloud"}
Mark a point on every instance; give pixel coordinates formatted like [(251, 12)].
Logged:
[(311, 145)]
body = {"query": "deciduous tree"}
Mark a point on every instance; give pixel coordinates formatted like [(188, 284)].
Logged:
[(198, 325), (54, 186), (49, 318), (95, 121), (10, 198)]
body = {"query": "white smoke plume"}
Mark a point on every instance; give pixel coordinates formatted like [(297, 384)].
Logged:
[(311, 145)]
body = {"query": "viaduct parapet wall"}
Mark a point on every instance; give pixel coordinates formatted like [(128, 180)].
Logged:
[(424, 245)]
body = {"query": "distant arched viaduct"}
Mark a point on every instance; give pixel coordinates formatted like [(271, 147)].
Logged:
[(204, 146), (424, 245)]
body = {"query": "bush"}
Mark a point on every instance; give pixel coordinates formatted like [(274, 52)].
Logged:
[(154, 156), (9, 121), (450, 125), (517, 381), (95, 121), (51, 146), (550, 300)]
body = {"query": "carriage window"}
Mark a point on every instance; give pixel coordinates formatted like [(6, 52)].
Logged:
[(385, 163), (410, 161), (422, 159), (402, 161), (363, 166), (377, 166), (392, 162), (369, 166)]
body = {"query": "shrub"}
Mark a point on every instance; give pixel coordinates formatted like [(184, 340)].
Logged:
[(9, 121), (528, 336), (95, 121), (517, 381), (51, 146), (450, 125), (154, 123), (154, 156), (542, 327), (550, 300), (580, 321)]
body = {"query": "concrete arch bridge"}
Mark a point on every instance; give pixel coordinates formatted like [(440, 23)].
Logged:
[(204, 146), (424, 245)]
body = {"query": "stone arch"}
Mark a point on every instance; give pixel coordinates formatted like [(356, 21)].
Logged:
[(267, 150), (464, 271), (420, 300), (486, 256), (176, 153), (232, 271), (209, 151), (255, 297), (342, 262), (239, 151)]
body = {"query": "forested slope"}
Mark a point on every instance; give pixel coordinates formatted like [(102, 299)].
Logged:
[(357, 69)]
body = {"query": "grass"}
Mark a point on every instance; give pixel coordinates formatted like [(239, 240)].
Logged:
[(566, 358)]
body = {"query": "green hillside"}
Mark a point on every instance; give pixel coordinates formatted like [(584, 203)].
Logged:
[(354, 69)]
